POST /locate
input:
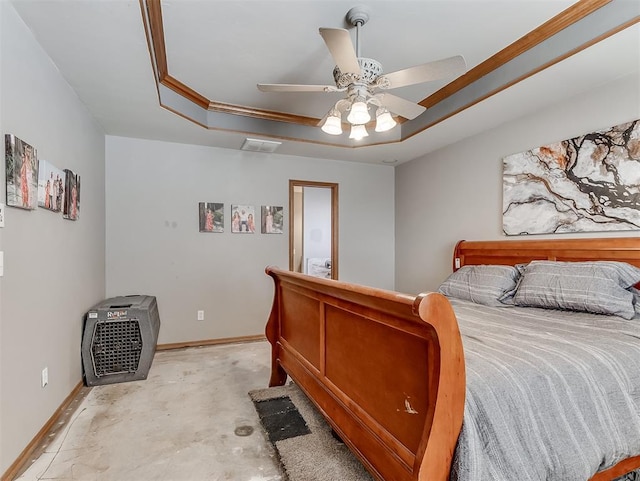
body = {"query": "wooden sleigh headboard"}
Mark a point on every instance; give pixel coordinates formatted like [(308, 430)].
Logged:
[(512, 252)]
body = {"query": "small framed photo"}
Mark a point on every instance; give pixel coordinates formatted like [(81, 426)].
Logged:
[(243, 219), (272, 219), (21, 161), (211, 215), (71, 207), (51, 183)]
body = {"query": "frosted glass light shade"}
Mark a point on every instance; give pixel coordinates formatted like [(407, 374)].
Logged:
[(359, 114), (358, 132), (384, 121), (333, 125)]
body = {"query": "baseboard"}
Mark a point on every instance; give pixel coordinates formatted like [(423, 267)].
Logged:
[(209, 342), (24, 456)]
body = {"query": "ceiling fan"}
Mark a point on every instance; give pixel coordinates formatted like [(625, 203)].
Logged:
[(362, 78)]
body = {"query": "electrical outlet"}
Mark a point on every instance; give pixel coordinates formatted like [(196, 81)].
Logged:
[(201, 315), (45, 377)]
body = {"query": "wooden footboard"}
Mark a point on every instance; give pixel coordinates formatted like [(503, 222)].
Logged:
[(385, 369)]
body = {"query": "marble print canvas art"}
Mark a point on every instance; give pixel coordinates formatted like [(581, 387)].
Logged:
[(589, 183)]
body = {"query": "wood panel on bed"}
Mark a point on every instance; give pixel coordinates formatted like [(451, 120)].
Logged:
[(386, 369), (389, 382)]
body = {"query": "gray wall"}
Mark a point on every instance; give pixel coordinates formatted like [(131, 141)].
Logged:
[(456, 192), (54, 268), (154, 247)]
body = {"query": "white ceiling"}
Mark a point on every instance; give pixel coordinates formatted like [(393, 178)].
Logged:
[(221, 49)]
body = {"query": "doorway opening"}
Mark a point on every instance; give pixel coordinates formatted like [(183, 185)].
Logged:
[(313, 228)]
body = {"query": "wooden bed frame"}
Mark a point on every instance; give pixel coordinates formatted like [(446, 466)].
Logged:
[(386, 369)]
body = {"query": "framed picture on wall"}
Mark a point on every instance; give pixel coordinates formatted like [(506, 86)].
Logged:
[(588, 183), (51, 181), (71, 207), (211, 217), (243, 219), (272, 219), (21, 162)]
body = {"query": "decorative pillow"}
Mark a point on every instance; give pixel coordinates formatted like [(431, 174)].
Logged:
[(483, 284), (521, 267), (507, 297), (599, 287), (636, 300)]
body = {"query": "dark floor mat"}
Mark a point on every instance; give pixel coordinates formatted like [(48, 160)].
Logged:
[(281, 419)]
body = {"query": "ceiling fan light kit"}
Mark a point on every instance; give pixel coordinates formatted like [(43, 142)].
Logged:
[(333, 124), (360, 77), (384, 120), (359, 112), (358, 117), (358, 132)]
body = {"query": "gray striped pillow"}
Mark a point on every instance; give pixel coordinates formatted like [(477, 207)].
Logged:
[(483, 284), (599, 287), (636, 301)]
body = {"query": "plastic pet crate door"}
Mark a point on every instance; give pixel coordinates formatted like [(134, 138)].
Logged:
[(116, 347)]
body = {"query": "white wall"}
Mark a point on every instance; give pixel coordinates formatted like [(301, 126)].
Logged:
[(317, 222), (53, 268), (456, 192), (154, 247)]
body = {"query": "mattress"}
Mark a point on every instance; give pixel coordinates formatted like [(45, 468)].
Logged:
[(551, 395)]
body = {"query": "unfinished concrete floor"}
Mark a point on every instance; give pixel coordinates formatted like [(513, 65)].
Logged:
[(188, 421)]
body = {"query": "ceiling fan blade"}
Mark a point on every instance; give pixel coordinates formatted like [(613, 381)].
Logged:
[(448, 67), (339, 43), (397, 105), (295, 88)]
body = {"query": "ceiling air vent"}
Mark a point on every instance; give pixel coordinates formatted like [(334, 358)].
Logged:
[(257, 145)]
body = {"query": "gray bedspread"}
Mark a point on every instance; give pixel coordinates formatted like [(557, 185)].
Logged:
[(551, 395)]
